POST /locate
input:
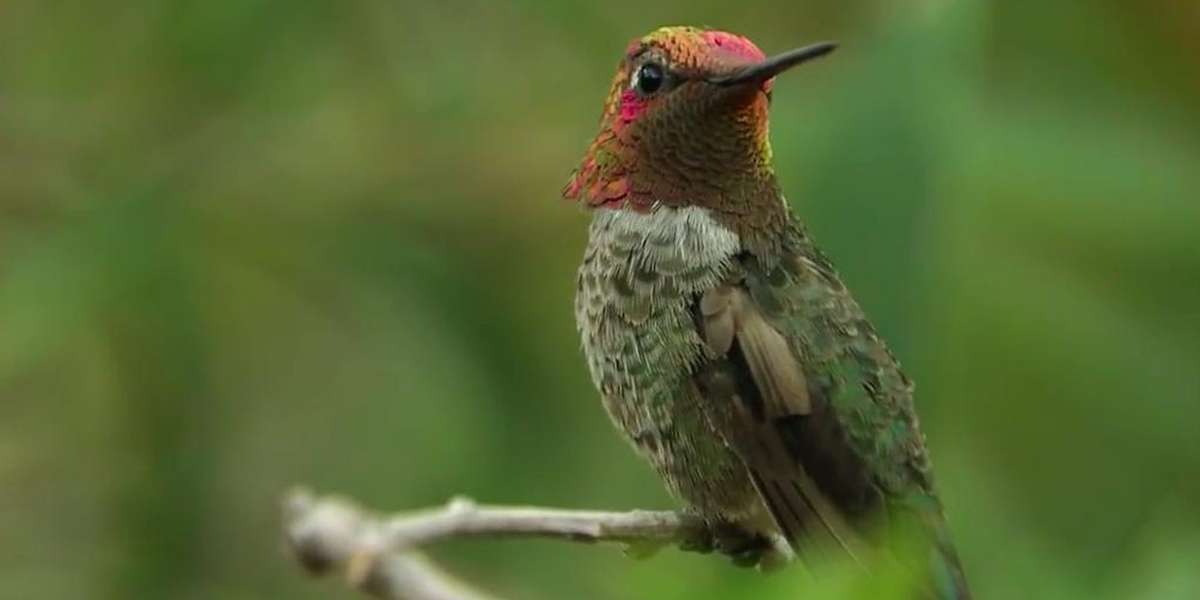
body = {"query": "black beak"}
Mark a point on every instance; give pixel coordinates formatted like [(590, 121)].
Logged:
[(760, 72)]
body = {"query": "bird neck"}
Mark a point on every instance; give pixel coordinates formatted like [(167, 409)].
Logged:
[(703, 149)]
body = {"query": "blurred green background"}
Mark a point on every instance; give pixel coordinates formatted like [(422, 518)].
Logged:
[(251, 243)]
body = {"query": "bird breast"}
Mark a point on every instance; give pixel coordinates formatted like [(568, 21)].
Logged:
[(640, 273)]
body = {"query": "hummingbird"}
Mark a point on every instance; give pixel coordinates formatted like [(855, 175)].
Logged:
[(723, 342)]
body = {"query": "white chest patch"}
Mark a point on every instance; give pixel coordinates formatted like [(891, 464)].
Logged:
[(688, 235)]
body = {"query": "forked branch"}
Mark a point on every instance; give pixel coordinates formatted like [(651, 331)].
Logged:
[(380, 555)]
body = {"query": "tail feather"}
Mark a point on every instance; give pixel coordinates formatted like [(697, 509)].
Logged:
[(924, 543), (949, 581), (791, 522), (807, 520)]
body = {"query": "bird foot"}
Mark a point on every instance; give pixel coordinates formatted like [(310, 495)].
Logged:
[(699, 540), (746, 548)]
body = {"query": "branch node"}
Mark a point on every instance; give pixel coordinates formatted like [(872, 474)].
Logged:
[(459, 505)]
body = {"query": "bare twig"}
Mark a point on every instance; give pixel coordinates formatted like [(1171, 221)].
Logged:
[(379, 554)]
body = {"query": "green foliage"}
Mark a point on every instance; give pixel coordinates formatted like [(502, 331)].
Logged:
[(248, 244)]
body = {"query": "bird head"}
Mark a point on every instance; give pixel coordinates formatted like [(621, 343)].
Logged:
[(685, 122)]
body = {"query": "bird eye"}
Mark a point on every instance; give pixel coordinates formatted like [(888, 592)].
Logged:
[(649, 78)]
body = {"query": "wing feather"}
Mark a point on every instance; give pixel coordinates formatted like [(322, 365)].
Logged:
[(753, 384)]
